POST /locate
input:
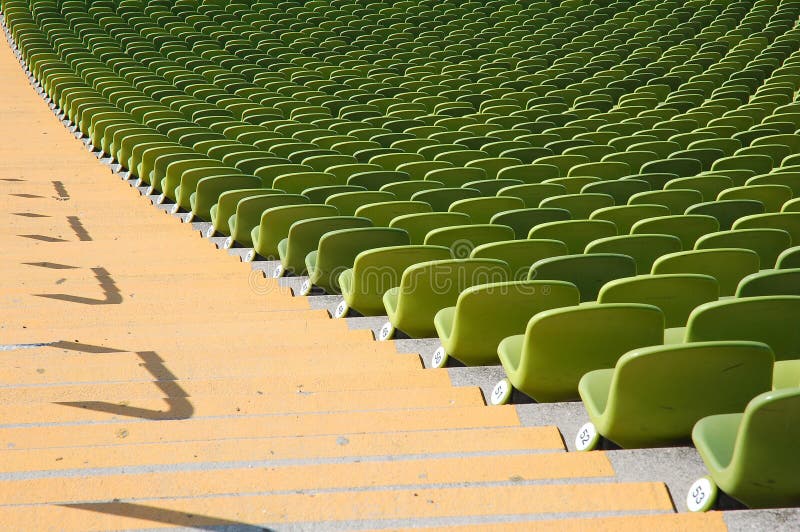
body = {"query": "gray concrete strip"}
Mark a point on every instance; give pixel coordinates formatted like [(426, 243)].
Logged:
[(677, 467), (776, 520), (568, 417)]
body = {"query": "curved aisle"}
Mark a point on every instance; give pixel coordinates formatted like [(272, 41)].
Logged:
[(149, 382)]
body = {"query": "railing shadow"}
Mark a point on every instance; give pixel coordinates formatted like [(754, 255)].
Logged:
[(169, 517), (112, 294), (175, 396)]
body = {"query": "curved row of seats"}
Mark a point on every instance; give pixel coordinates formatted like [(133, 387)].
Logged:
[(585, 193)]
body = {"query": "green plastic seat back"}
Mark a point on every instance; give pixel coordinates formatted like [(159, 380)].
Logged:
[(485, 314), (374, 180), (481, 210), (676, 200), (620, 189), (727, 265), (788, 221), (249, 210), (454, 177), (576, 234), (624, 216), (296, 183), (644, 249), (403, 190), (338, 249), (687, 227), (727, 211), (580, 206), (533, 193), (275, 223), (530, 173), (770, 283), (419, 225), (348, 202), (656, 394), (428, 287), (708, 185), (789, 258), (588, 272), (767, 243), (462, 239), (561, 345), (604, 170), (440, 199), (382, 213), (377, 270), (321, 194), (675, 294), (304, 237), (520, 254), (762, 467), (758, 319), (344, 171), (771, 196), (522, 220), (789, 179)]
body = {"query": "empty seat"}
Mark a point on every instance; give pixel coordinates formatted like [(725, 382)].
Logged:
[(428, 287), (644, 249), (485, 314), (576, 234), (275, 223), (462, 239), (767, 243), (561, 345), (654, 395), (675, 294), (751, 456), (382, 213), (588, 272), (419, 225), (624, 216), (337, 250), (770, 283), (687, 227), (376, 271), (727, 265), (304, 237), (727, 211)]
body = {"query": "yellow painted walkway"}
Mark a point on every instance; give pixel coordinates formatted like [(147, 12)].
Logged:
[(163, 384)]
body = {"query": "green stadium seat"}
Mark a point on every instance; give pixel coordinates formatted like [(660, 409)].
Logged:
[(419, 225), (249, 210), (275, 223), (655, 395), (624, 216), (789, 258), (484, 314), (580, 206), (788, 221), (727, 265), (767, 243), (481, 210), (750, 456), (785, 282), (675, 294), (304, 237), (588, 272), (337, 251), (576, 234), (382, 213), (643, 248), (428, 287), (376, 271), (561, 345), (347, 202), (687, 227)]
